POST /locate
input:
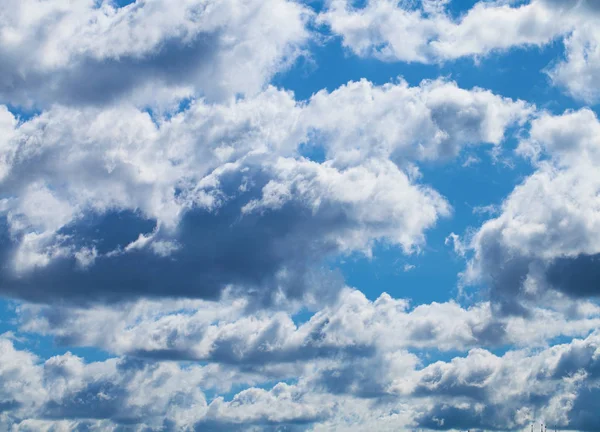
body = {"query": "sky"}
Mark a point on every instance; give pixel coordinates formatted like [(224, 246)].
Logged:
[(277, 215)]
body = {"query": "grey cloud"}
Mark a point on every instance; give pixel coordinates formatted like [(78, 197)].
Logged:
[(9, 405), (578, 357), (447, 417), (103, 81), (584, 414), (216, 426), (98, 400), (263, 424), (579, 276), (368, 377), (215, 250)]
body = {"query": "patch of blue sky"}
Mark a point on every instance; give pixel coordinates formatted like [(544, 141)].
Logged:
[(313, 150), (23, 113), (302, 316), (122, 3), (7, 316), (158, 116), (330, 65), (458, 8)]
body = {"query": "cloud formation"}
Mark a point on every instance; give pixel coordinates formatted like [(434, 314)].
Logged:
[(147, 52), (481, 390), (177, 226), (426, 32), (192, 194), (544, 246), (224, 333)]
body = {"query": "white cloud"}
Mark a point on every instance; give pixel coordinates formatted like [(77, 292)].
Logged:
[(556, 386), (390, 30), (19, 389), (375, 194), (149, 52), (118, 390), (235, 164), (186, 238), (515, 389), (432, 121), (399, 31), (579, 72), (547, 233), (269, 341)]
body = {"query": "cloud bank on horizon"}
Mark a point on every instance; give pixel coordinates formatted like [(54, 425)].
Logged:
[(299, 215)]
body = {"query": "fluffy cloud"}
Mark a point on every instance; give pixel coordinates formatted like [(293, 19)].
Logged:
[(399, 31), (516, 389), (19, 386), (556, 385), (114, 198), (122, 392), (390, 30), (579, 72), (432, 121), (544, 244), (150, 52), (271, 343), (168, 206)]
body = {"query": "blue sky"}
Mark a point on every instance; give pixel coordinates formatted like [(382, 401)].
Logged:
[(285, 215)]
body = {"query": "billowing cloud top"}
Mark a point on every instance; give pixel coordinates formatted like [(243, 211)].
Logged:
[(287, 215)]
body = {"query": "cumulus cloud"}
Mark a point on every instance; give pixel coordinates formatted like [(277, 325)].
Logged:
[(556, 385), (19, 386), (432, 121), (427, 33), (390, 30), (64, 391), (514, 390), (167, 206), (544, 243), (272, 343), (118, 200), (579, 71), (148, 51)]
